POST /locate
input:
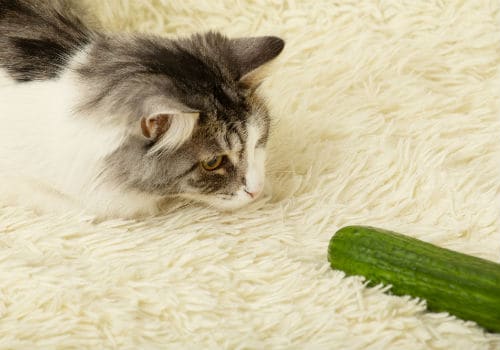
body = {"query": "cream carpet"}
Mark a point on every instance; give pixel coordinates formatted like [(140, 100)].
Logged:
[(387, 113)]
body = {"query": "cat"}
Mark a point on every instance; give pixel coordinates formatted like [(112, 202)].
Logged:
[(114, 123)]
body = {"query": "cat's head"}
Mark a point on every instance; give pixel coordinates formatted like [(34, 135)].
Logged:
[(197, 127)]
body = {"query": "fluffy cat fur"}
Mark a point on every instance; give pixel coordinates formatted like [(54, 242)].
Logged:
[(113, 124)]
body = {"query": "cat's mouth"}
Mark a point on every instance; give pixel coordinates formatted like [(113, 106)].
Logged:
[(225, 202)]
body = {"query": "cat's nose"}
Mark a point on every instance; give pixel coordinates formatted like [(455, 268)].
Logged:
[(252, 194), (254, 188)]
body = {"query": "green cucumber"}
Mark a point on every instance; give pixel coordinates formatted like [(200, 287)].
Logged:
[(465, 286)]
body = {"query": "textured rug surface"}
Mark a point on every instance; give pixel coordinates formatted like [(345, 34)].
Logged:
[(386, 113)]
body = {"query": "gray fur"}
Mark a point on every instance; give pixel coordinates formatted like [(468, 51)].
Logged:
[(37, 38), (124, 74)]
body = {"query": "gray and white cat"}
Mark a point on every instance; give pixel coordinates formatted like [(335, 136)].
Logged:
[(115, 123)]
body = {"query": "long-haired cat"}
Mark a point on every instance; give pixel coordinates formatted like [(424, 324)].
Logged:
[(112, 123)]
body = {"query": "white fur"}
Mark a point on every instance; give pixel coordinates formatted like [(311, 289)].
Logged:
[(45, 146), (256, 158), (180, 130)]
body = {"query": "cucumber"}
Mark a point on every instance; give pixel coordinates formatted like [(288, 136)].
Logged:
[(465, 286)]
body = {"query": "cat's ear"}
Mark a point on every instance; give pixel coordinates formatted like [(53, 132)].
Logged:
[(170, 129), (251, 53), (154, 126)]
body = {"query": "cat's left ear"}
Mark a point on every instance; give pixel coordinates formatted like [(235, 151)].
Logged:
[(168, 129), (252, 53)]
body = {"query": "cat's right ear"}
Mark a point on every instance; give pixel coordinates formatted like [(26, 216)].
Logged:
[(168, 129), (253, 52)]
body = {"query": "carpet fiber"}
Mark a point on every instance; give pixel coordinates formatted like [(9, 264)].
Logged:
[(386, 113)]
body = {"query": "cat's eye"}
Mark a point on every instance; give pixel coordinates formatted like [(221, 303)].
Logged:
[(213, 164)]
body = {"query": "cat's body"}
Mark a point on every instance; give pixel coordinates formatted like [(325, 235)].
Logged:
[(112, 124), (51, 161)]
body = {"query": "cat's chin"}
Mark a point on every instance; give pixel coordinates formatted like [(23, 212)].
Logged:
[(223, 202)]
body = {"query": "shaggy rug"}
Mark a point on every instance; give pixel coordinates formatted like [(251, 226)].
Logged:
[(386, 113)]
